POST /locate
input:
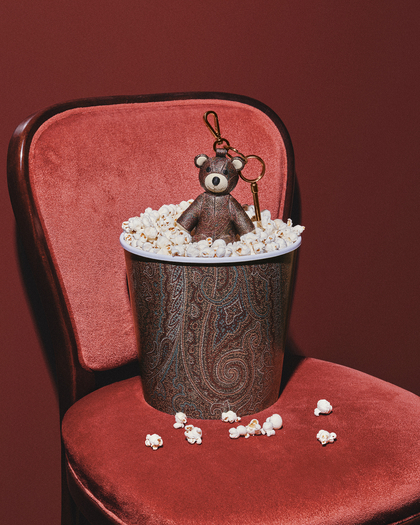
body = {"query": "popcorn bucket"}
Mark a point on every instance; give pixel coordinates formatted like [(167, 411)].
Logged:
[(210, 332)]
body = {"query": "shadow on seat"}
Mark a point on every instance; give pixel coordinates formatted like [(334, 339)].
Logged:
[(76, 171)]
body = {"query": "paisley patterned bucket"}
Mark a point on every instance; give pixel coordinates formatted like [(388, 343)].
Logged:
[(210, 332)]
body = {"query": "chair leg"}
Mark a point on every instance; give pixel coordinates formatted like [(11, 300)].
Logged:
[(70, 514), (68, 508)]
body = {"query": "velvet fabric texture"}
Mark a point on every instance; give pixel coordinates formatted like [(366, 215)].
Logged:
[(369, 475), (92, 168)]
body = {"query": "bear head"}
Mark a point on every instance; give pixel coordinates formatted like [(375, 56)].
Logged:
[(220, 174)]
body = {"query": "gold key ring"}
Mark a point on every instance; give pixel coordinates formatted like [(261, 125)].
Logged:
[(261, 175), (254, 185)]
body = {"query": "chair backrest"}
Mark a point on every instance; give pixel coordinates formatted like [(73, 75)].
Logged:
[(78, 170)]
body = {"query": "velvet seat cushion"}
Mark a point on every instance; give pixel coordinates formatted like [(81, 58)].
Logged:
[(370, 474)]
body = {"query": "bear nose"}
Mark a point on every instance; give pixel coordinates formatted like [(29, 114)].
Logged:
[(215, 181)]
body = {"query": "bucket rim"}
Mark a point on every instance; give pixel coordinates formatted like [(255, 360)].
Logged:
[(204, 260)]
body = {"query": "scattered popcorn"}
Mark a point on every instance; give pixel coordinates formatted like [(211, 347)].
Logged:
[(193, 434), (325, 437), (323, 407), (276, 420), (180, 420), (234, 433), (157, 231), (268, 428), (272, 424), (253, 429), (154, 441), (230, 417)]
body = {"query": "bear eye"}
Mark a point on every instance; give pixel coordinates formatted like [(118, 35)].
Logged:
[(225, 172), (208, 169)]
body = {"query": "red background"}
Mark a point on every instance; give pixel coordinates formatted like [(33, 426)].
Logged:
[(344, 78)]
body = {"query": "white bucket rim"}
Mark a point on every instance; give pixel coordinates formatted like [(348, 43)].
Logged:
[(204, 260)]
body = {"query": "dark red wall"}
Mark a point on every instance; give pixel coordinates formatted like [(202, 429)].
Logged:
[(343, 76)]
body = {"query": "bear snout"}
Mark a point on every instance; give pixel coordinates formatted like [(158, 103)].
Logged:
[(216, 183)]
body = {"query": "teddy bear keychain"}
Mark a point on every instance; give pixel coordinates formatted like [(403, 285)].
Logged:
[(216, 213)]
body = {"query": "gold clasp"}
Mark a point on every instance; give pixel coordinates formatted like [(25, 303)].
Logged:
[(215, 131)]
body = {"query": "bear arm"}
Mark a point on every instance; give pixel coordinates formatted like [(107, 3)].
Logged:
[(189, 218), (242, 222)]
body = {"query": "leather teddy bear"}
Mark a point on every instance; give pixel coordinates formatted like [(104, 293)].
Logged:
[(215, 213)]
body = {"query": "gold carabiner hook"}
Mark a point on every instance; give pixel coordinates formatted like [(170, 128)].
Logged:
[(216, 130)]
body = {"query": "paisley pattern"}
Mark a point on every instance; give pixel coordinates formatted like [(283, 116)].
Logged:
[(211, 338)]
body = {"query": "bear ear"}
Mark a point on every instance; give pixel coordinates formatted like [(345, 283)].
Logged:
[(200, 160), (238, 163)]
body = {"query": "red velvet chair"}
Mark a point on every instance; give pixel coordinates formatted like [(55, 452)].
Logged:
[(75, 172)]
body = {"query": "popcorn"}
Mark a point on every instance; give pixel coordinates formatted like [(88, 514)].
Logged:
[(193, 434), (165, 250), (234, 433), (154, 441), (157, 231), (205, 243), (265, 217), (272, 247), (229, 250), (163, 242), (268, 428), (164, 211), (147, 247), (134, 223), (219, 243), (276, 420), (230, 417), (241, 249), (253, 428), (323, 407), (250, 211), (272, 423), (207, 252), (179, 250), (179, 238), (192, 251), (325, 437), (180, 420), (281, 243), (151, 233)]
